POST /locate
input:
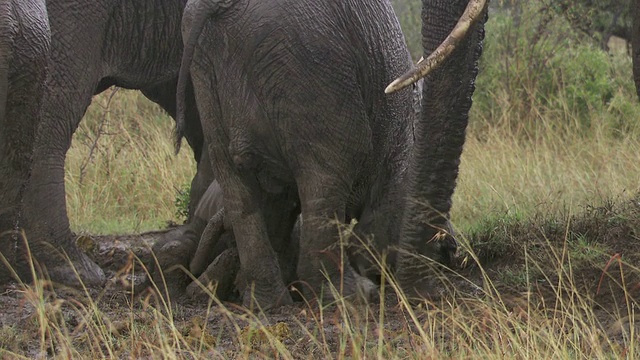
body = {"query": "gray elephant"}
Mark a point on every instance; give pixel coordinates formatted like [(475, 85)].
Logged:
[(293, 109), (206, 247), (97, 44), (290, 112), (24, 53)]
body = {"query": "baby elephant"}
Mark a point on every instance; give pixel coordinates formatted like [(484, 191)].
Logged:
[(206, 248), (175, 250)]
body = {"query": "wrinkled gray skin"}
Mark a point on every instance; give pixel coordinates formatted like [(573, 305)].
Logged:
[(24, 53), (200, 244), (206, 247), (290, 94), (292, 105), (178, 246), (97, 44), (439, 139)]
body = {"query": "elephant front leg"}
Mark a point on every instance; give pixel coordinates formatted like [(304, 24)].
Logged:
[(15, 161), (16, 145), (52, 245), (172, 255), (45, 217), (20, 99)]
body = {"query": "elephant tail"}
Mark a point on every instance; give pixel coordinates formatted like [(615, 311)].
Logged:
[(194, 18)]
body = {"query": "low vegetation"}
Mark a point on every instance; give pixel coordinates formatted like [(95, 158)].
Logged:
[(547, 209)]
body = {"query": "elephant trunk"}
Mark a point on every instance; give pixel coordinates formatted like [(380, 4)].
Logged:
[(635, 44), (440, 136)]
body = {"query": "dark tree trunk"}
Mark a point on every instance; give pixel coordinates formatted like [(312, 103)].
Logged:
[(440, 136)]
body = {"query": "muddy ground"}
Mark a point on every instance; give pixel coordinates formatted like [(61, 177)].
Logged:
[(533, 265)]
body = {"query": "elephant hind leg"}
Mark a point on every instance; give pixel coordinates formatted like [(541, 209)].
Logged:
[(323, 257), (260, 275)]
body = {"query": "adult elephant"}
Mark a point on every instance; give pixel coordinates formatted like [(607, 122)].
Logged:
[(97, 44), (204, 245), (292, 104), (24, 53)]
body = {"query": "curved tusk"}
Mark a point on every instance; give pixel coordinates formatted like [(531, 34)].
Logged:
[(425, 66)]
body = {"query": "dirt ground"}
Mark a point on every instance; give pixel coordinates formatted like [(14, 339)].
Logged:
[(590, 256)]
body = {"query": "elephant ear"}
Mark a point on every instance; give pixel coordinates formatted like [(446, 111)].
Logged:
[(440, 136), (635, 45)]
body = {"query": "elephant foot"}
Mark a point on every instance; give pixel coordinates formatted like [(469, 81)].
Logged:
[(265, 298), (347, 284), (417, 290), (172, 253), (264, 295), (422, 278), (218, 278), (359, 288), (82, 271)]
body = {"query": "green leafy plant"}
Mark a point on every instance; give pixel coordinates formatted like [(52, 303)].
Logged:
[(182, 201)]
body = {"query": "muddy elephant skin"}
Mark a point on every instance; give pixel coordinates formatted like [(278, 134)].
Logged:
[(24, 53), (94, 45), (291, 95)]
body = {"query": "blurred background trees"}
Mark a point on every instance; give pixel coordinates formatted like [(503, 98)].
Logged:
[(549, 65), (597, 19)]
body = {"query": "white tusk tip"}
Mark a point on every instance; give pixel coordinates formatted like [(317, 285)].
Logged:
[(393, 87)]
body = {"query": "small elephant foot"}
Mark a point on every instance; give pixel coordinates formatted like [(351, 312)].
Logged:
[(347, 284), (264, 296), (418, 290), (218, 278), (421, 279), (82, 271), (256, 297), (173, 253)]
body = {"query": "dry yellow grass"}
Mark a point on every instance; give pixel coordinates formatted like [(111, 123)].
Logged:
[(127, 180), (501, 175), (121, 171), (122, 176), (565, 323)]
